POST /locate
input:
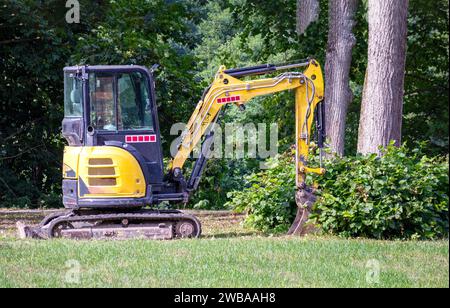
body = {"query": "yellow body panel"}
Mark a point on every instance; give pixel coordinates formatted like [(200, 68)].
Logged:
[(70, 163), (105, 172)]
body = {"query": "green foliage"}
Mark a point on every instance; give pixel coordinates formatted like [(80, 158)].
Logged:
[(144, 33), (35, 43), (425, 114), (221, 176), (403, 194), (268, 198), (190, 39), (245, 32), (240, 33)]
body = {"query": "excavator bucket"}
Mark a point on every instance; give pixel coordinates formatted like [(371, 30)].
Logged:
[(305, 199)]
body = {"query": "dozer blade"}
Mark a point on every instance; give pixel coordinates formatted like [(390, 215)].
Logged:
[(25, 231), (305, 199), (38, 232)]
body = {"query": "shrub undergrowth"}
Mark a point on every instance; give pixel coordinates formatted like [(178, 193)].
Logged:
[(402, 194)]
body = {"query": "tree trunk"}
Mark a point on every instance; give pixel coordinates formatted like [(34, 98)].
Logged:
[(338, 95), (382, 102), (307, 12)]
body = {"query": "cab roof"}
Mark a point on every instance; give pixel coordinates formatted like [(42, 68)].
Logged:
[(106, 68)]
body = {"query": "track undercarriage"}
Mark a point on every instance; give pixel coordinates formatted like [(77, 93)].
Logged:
[(90, 224), (140, 223)]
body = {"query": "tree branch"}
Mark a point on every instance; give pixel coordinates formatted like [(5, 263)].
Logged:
[(18, 41), (21, 153)]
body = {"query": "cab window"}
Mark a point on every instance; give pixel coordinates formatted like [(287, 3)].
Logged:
[(101, 94), (120, 102), (134, 109), (73, 104)]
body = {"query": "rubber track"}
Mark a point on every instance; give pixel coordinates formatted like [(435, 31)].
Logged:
[(143, 215)]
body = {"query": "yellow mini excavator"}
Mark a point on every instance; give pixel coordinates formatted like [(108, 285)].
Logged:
[(113, 172)]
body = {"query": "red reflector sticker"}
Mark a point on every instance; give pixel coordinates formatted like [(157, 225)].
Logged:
[(228, 99), (140, 138)]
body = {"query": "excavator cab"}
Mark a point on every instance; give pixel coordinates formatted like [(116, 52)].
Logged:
[(111, 123)]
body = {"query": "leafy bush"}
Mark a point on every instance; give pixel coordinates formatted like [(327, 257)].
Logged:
[(269, 196), (403, 194), (220, 177)]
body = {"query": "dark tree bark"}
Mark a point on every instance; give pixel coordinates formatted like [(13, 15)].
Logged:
[(337, 69), (307, 12), (382, 103)]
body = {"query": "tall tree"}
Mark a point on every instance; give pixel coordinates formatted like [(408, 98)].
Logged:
[(382, 102), (307, 12), (341, 14)]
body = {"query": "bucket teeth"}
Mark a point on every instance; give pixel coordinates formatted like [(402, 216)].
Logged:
[(305, 199)]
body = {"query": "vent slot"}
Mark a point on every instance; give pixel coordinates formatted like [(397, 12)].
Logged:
[(101, 171), (100, 161), (102, 182)]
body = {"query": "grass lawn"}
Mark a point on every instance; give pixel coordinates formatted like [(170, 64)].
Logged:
[(227, 256)]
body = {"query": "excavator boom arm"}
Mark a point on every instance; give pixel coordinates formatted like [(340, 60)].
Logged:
[(228, 89)]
